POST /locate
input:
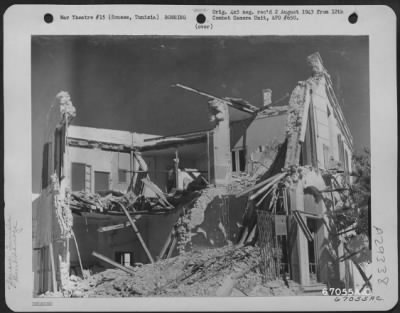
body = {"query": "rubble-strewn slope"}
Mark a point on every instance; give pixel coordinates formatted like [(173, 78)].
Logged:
[(224, 271)]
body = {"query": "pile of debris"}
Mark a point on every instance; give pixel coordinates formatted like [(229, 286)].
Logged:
[(241, 181), (111, 202), (86, 201), (226, 271)]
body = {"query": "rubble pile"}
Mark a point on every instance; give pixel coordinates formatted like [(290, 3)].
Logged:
[(111, 201), (241, 181), (226, 271), (87, 201), (200, 204)]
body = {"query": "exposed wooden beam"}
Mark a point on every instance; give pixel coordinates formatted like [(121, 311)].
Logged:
[(111, 262), (113, 227), (136, 230), (94, 144), (180, 135), (234, 104), (158, 192), (173, 143), (53, 267), (273, 108)]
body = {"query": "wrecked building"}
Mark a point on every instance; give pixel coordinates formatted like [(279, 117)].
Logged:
[(113, 198)]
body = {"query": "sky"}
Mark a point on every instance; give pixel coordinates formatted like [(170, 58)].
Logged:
[(124, 82)]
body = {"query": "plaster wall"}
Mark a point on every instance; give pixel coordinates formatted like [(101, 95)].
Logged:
[(326, 125), (261, 131), (103, 161)]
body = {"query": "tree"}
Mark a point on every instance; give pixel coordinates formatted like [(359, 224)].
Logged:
[(360, 191), (354, 210)]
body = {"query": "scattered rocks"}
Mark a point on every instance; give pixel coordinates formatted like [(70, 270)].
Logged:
[(198, 273)]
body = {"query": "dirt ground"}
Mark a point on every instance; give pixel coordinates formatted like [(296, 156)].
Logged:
[(226, 271)]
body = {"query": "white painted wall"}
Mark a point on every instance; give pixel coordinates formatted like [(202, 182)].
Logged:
[(327, 128), (104, 161)]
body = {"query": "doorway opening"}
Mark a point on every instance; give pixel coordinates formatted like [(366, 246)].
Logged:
[(312, 250)]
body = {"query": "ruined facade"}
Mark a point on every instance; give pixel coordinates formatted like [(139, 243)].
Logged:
[(203, 189)]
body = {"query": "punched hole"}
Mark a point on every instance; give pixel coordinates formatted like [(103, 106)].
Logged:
[(48, 18), (201, 18), (353, 18)]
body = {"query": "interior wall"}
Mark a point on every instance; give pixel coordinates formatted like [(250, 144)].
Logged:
[(160, 164), (105, 243), (261, 131), (103, 161), (153, 229)]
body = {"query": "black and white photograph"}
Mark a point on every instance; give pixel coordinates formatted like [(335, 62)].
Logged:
[(169, 157), (224, 166)]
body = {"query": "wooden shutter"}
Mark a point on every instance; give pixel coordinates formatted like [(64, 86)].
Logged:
[(46, 165)]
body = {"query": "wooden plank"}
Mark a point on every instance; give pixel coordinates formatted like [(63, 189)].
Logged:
[(113, 227), (335, 190), (264, 196), (312, 215), (366, 283), (230, 103), (303, 225), (269, 185), (139, 170), (135, 229), (141, 161), (78, 253), (244, 236), (273, 105), (166, 244), (251, 235), (179, 135), (173, 143), (256, 186), (93, 144), (346, 257), (242, 103), (172, 247), (157, 191), (176, 167), (111, 262)]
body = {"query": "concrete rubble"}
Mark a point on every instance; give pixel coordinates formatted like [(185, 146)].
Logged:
[(210, 272)]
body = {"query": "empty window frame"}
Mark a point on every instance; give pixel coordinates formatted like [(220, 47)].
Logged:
[(101, 181), (124, 258), (326, 155), (46, 165), (81, 177), (59, 149), (122, 176), (239, 160), (309, 146)]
